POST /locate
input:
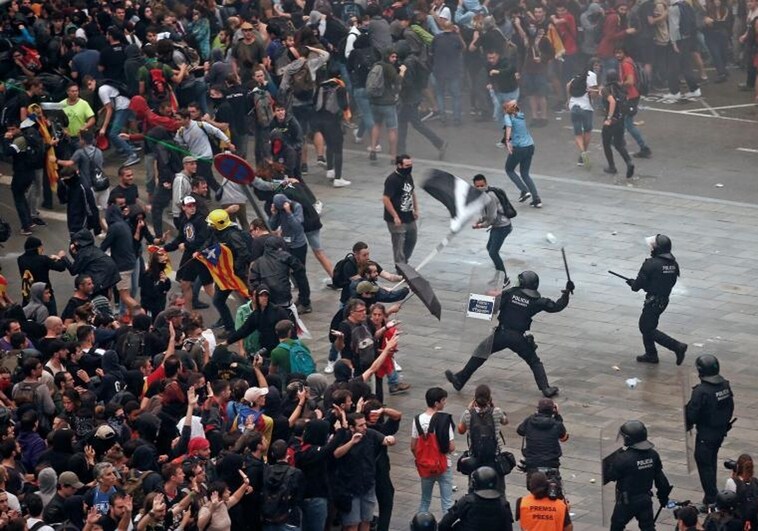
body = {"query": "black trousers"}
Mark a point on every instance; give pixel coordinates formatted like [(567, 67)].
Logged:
[(706, 458), (407, 113), (385, 494), (640, 508), (680, 65), (614, 135), (651, 314), (205, 170), (330, 125)]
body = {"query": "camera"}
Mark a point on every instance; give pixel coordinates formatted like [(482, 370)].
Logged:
[(554, 484), (260, 352), (730, 464)]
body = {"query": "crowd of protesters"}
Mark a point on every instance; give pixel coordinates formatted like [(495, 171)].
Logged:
[(120, 410)]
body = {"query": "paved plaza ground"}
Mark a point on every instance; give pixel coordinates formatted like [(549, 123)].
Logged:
[(589, 348)]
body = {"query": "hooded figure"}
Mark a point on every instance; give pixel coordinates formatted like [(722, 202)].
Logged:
[(263, 318), (48, 485), (81, 207), (90, 260), (119, 239), (114, 378), (134, 61), (36, 310), (58, 455), (273, 269)]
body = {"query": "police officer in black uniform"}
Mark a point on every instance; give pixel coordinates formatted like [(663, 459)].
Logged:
[(710, 411), (634, 470), (517, 307), (484, 508), (657, 278), (543, 433), (424, 522)]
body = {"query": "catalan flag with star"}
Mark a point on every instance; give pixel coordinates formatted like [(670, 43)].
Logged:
[(220, 263)]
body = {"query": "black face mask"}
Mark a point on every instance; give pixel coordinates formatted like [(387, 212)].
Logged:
[(405, 172)]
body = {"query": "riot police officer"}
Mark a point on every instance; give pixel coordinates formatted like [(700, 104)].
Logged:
[(634, 470), (424, 522), (484, 508), (657, 278), (543, 433), (710, 411), (517, 307)]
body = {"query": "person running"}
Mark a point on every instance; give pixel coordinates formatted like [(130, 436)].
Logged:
[(580, 90), (613, 125), (520, 145)]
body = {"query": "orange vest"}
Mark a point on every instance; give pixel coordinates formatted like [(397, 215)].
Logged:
[(541, 515)]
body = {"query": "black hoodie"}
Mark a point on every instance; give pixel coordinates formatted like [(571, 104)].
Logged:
[(312, 458), (119, 239), (35, 267), (92, 261), (542, 433)]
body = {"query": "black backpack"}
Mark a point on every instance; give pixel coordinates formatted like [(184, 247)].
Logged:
[(578, 85), (482, 437), (508, 209), (339, 276), (35, 147), (277, 495), (687, 20), (748, 497), (131, 348)]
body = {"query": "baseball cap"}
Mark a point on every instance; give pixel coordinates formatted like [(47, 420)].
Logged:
[(254, 393), (197, 443), (70, 479), (104, 432), (188, 159), (188, 200), (366, 287)]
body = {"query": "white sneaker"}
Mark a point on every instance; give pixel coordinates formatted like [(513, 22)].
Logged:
[(398, 368), (329, 369), (378, 148), (358, 139), (330, 174), (694, 94), (341, 183), (672, 97), (318, 206)]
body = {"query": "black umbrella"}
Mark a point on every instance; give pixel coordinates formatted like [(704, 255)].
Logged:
[(421, 288)]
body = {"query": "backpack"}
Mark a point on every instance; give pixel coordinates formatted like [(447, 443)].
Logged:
[(215, 142), (133, 486), (482, 437), (303, 83), (190, 56), (276, 496), (328, 98), (748, 496), (375, 81), (687, 20), (35, 147), (623, 106), (27, 394), (243, 413), (578, 85), (264, 112), (720, 521), (10, 109), (430, 461), (642, 79), (505, 204), (157, 83), (99, 181), (294, 449), (132, 347), (5, 230), (123, 88), (301, 360), (38, 525), (339, 276)]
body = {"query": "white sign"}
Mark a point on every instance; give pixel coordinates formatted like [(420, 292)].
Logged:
[(480, 306)]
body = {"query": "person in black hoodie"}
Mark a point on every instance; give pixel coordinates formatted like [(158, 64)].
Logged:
[(331, 106), (412, 87), (81, 207), (34, 266), (114, 377), (26, 149), (359, 63), (273, 269), (61, 449), (263, 318), (92, 261), (120, 242), (543, 434), (155, 284), (312, 459)]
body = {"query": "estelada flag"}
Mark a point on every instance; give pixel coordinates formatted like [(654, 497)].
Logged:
[(220, 262)]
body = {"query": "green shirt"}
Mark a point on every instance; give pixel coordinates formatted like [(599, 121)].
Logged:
[(77, 114), (280, 358), (143, 74)]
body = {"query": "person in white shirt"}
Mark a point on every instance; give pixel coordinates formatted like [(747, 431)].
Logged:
[(581, 109), (34, 520), (117, 113)]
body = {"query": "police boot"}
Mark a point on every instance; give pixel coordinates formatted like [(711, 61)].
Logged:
[(459, 379), (541, 378), (680, 353), (647, 358)]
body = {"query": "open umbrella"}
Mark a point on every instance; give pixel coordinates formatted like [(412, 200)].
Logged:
[(421, 288)]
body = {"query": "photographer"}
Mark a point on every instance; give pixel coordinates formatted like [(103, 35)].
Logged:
[(540, 510), (485, 507), (686, 518), (543, 433), (726, 516), (634, 470), (745, 485)]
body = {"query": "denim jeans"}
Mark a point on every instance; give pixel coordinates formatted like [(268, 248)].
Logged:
[(452, 87), (522, 157), (314, 513), (117, 124), (495, 242), (445, 481), (364, 108), (219, 302), (718, 47), (403, 240), (632, 129), (19, 185)]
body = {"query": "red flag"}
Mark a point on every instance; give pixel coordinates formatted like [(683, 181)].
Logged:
[(220, 262)]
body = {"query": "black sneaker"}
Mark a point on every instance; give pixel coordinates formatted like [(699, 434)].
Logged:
[(643, 153), (647, 359), (680, 353), (321, 161), (536, 203), (304, 168), (524, 196), (630, 171), (39, 221), (610, 170), (453, 379), (580, 161), (302, 309), (550, 391), (372, 156)]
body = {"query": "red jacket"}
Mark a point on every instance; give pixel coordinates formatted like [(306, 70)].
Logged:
[(613, 34)]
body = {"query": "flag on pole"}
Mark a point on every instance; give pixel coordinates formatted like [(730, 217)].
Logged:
[(462, 200), (220, 262)]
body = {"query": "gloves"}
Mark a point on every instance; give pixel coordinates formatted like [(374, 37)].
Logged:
[(663, 500), (570, 287), (630, 282)]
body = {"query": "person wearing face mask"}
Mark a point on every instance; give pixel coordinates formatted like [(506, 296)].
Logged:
[(401, 209)]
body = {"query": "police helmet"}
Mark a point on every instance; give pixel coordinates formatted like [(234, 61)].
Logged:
[(634, 433), (726, 500), (661, 244), (423, 522), (484, 482), (708, 368), (218, 219), (529, 281)]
